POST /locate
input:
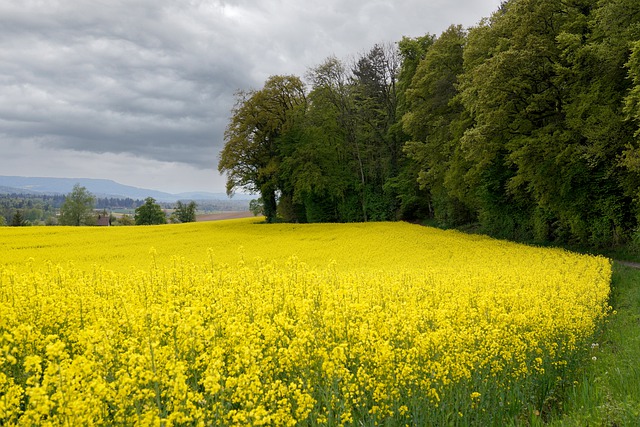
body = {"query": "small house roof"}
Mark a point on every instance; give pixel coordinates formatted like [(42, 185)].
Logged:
[(103, 220)]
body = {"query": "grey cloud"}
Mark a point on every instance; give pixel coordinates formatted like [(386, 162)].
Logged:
[(155, 78), (119, 80)]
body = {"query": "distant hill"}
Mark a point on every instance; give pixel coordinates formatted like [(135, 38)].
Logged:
[(100, 188), (11, 190)]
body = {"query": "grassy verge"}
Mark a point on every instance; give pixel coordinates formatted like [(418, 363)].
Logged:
[(609, 392)]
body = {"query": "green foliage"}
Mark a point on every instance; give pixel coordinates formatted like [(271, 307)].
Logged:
[(150, 213), (34, 208), (327, 166), (77, 208), (256, 207), (413, 199), (251, 155), (18, 220), (124, 220), (185, 212), (526, 126), (632, 109), (431, 122), (347, 149), (544, 96)]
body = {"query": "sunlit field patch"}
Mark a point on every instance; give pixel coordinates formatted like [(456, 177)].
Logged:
[(241, 323)]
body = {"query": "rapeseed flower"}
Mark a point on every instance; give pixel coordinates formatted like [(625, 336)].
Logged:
[(238, 323)]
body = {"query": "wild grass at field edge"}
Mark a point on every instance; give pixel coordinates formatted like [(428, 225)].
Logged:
[(608, 394)]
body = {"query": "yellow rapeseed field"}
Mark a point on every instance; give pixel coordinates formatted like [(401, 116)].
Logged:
[(242, 323)]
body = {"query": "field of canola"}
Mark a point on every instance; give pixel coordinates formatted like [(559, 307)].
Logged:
[(240, 323)]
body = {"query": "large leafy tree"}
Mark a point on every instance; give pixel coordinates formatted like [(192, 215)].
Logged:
[(77, 208), (632, 109), (433, 120), (531, 167), (414, 200), (186, 212), (251, 157), (324, 168), (150, 213), (595, 49), (346, 152), (628, 12), (374, 79)]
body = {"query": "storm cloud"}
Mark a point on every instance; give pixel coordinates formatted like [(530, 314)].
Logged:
[(153, 81)]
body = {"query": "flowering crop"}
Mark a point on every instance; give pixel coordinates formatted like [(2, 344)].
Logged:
[(238, 323)]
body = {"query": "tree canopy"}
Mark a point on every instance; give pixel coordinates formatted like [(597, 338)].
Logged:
[(185, 212), (150, 213), (77, 208), (260, 123), (525, 126), (18, 220)]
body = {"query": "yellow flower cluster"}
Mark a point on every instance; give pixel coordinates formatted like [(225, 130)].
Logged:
[(239, 323)]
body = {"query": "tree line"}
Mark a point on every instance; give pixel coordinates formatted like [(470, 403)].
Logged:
[(525, 125), (44, 208), (80, 207)]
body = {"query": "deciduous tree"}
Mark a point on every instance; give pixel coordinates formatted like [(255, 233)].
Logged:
[(251, 156), (186, 212), (256, 208), (374, 79), (150, 213), (433, 120), (77, 208)]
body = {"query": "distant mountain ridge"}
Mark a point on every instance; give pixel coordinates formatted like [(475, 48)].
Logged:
[(99, 188)]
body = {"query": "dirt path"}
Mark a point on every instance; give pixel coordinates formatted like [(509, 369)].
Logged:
[(629, 264), (224, 215)]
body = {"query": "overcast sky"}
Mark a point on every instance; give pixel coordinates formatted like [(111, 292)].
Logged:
[(140, 91)]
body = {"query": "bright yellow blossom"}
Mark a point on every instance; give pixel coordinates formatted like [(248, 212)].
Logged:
[(240, 323)]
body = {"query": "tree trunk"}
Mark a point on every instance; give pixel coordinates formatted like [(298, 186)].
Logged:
[(269, 205)]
